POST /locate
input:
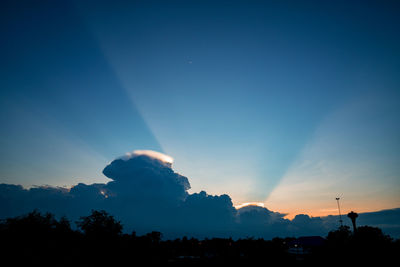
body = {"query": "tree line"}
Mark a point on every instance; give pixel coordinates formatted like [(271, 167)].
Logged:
[(41, 239)]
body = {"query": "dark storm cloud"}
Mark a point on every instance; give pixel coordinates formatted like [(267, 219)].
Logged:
[(208, 215), (255, 221), (146, 194), (146, 177)]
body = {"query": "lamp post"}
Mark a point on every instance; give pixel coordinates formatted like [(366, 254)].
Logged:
[(340, 215)]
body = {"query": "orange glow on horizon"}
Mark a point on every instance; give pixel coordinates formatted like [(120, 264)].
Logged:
[(291, 213)]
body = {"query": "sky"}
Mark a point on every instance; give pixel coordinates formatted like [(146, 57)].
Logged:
[(284, 103)]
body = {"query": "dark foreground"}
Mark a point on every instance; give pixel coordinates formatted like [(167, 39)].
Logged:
[(41, 240)]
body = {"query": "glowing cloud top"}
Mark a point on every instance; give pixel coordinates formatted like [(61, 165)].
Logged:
[(258, 204), (150, 153)]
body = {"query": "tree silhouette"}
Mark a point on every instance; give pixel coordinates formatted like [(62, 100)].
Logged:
[(340, 236), (154, 237), (100, 224), (38, 239)]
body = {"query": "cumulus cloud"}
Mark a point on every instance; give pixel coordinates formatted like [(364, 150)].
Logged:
[(208, 215), (256, 221), (146, 178), (146, 194)]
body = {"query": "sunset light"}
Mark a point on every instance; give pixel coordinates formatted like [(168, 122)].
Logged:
[(199, 132)]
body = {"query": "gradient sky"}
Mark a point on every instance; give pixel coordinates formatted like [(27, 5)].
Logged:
[(286, 103)]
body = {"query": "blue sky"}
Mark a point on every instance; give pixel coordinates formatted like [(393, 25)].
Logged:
[(249, 98)]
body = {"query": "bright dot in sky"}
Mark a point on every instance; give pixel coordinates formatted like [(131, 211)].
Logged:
[(150, 153), (104, 194), (258, 204)]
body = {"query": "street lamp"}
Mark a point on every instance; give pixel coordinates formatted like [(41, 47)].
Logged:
[(340, 215)]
